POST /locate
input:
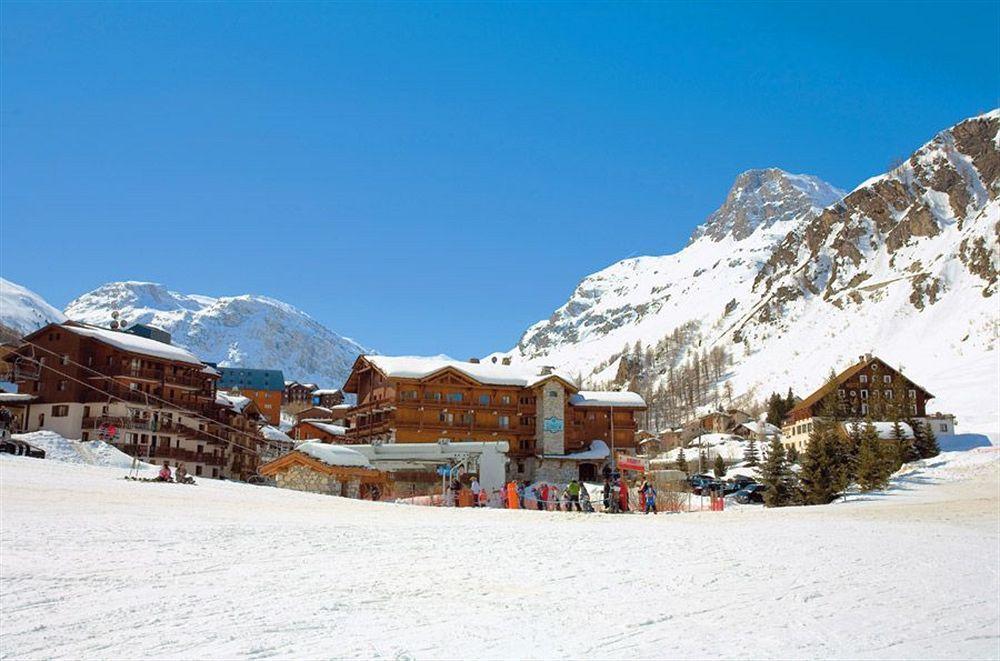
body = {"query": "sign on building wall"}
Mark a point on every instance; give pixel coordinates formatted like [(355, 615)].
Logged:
[(629, 463), (552, 425)]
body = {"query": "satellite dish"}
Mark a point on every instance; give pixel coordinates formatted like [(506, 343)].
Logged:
[(114, 314), (114, 325)]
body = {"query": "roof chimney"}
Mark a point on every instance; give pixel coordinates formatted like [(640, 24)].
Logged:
[(474, 360)]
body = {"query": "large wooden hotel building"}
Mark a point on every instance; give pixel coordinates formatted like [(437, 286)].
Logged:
[(554, 429)]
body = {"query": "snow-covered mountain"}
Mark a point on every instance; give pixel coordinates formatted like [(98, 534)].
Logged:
[(774, 290), (249, 331), (22, 310)]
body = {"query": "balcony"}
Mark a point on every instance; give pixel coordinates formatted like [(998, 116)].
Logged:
[(159, 453)]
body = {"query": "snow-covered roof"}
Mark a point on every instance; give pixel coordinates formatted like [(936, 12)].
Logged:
[(323, 425), (326, 391), (607, 398), (15, 398), (274, 434), (884, 429), (598, 450), (755, 427), (135, 343), (334, 455), (235, 402), (419, 367), (208, 369)]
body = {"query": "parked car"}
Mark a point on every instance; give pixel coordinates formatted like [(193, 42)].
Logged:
[(741, 481), (753, 493)]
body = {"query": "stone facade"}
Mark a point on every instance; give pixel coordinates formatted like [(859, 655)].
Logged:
[(550, 420), (303, 478), (558, 471)]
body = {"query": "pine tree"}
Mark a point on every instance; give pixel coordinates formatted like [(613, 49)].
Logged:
[(818, 474), (789, 403), (682, 464), (720, 466), (750, 453), (776, 476), (871, 464), (792, 455), (926, 443), (702, 461)]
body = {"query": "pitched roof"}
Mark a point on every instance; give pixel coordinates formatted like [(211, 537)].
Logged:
[(830, 386), (598, 398), (421, 367), (132, 343)]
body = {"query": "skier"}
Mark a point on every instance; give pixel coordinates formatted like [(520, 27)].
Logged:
[(543, 501), (520, 494), (585, 498), (649, 493), (573, 493), (623, 495), (476, 490), (512, 495), (607, 494)]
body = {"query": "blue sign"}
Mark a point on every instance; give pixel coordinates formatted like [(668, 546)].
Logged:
[(444, 471), (552, 424)]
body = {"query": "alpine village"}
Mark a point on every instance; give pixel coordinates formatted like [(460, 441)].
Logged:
[(438, 431)]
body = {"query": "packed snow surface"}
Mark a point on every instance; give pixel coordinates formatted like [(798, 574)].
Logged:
[(94, 566)]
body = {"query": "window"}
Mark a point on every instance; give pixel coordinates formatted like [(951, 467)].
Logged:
[(854, 393), (215, 472), (454, 397), (504, 422), (63, 385), (943, 427), (60, 411), (913, 408), (864, 409), (467, 418), (409, 394), (65, 359), (863, 378), (888, 394), (433, 396), (520, 467), (484, 400), (912, 393), (842, 392), (864, 394), (505, 399), (887, 378), (446, 418), (197, 470), (553, 393)]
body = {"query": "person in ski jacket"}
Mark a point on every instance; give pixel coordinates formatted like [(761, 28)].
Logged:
[(573, 496), (543, 503), (649, 494), (607, 494), (476, 490), (512, 495), (164, 474), (585, 499), (623, 495), (181, 475)]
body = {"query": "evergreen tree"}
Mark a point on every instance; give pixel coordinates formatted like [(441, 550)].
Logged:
[(682, 464), (871, 464), (819, 472), (750, 453), (926, 444), (702, 461), (776, 476), (789, 403), (792, 455), (720, 466)]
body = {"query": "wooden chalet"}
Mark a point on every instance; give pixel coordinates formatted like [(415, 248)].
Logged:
[(328, 470), (869, 388)]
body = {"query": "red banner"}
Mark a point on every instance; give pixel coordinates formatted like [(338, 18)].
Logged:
[(630, 463)]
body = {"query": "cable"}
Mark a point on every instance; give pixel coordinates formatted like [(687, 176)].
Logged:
[(191, 414), (125, 401)]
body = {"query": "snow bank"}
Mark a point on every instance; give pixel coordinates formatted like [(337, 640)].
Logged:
[(94, 453)]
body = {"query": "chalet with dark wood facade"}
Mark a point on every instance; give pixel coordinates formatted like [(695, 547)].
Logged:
[(540, 414), (151, 400), (870, 388)]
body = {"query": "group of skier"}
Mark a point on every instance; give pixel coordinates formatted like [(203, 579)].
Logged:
[(546, 496)]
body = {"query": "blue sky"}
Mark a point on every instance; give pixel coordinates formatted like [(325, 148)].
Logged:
[(433, 178)]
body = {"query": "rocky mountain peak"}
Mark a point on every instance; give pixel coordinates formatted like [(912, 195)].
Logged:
[(765, 199)]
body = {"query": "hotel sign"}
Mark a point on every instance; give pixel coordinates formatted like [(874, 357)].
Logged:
[(552, 425)]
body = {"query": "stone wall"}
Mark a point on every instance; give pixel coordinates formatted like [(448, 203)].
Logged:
[(303, 478), (558, 471), (550, 420)]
